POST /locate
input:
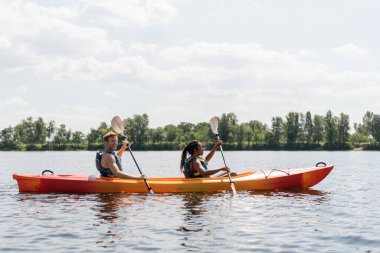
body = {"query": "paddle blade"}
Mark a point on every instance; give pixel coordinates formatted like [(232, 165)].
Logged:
[(214, 125), (118, 125)]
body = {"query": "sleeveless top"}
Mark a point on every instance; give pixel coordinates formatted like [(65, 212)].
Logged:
[(106, 172), (192, 172)]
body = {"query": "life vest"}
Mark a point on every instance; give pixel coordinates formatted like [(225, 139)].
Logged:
[(192, 172), (106, 172)]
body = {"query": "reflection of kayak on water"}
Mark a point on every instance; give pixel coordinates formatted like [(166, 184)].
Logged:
[(257, 180)]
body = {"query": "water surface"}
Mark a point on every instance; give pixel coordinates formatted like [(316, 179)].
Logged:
[(341, 214)]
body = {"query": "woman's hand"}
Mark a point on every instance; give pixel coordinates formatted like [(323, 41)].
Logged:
[(227, 169)]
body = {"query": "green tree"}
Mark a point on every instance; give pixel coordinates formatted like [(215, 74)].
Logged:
[(318, 129), (227, 124), (331, 130), (243, 134), (259, 131), (292, 127), (40, 131), (137, 129), (361, 129), (7, 139), (308, 128), (62, 136), (367, 122), (360, 136), (50, 129), (78, 137), (157, 135), (375, 125), (357, 139), (248, 133), (343, 134), (186, 131), (95, 136), (203, 132), (301, 137), (171, 133), (25, 131), (274, 137)]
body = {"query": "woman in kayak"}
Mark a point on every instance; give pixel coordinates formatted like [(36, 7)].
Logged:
[(108, 162), (196, 166)]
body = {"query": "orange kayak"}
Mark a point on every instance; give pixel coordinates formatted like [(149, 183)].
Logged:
[(274, 179)]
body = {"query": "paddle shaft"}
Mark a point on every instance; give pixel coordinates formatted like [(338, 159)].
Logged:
[(138, 167), (146, 183), (118, 126), (224, 160)]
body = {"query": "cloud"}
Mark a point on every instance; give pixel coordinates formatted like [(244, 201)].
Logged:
[(13, 102), (5, 43), (221, 65), (137, 48), (22, 89), (351, 50), (306, 54), (126, 13), (111, 95), (77, 117), (92, 69), (50, 31)]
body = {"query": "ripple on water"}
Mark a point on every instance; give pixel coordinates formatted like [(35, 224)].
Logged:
[(339, 215)]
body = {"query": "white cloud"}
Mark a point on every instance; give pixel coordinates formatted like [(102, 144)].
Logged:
[(79, 116), (143, 48), (211, 64), (91, 69), (137, 12), (150, 49), (230, 54), (50, 31), (13, 102), (306, 54), (111, 95), (351, 50), (75, 117), (5, 43), (22, 89)]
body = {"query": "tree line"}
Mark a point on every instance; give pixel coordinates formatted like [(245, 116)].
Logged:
[(296, 131)]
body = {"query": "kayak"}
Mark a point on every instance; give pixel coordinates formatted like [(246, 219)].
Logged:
[(273, 179)]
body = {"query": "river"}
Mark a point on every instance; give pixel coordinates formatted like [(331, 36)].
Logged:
[(341, 214)]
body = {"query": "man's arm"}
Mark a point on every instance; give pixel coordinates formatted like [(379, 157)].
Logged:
[(110, 162), (123, 148)]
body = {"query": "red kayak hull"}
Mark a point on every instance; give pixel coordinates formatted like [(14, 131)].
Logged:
[(256, 180)]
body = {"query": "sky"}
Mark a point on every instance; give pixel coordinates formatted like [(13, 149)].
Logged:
[(82, 62)]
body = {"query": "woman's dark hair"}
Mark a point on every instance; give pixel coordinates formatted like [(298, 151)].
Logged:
[(190, 148)]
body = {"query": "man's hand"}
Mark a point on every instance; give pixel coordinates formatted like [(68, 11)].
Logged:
[(126, 143), (218, 143)]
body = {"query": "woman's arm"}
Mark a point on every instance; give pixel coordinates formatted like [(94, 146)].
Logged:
[(212, 152), (201, 170)]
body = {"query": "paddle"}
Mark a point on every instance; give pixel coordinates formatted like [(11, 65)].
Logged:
[(214, 129), (118, 126)]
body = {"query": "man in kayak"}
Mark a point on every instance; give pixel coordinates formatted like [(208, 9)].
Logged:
[(108, 161), (195, 166)]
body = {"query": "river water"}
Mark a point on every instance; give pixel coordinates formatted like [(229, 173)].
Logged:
[(341, 214)]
